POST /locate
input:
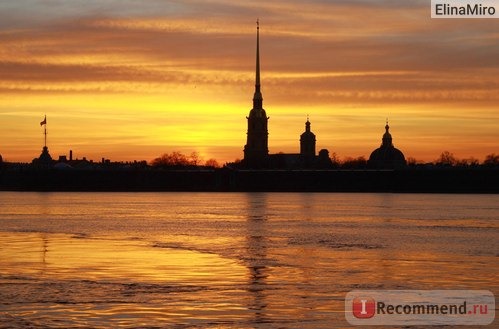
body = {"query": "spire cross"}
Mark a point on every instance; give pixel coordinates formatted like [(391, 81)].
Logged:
[(257, 98), (257, 82)]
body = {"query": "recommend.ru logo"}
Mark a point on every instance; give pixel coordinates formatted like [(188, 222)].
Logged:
[(420, 307)]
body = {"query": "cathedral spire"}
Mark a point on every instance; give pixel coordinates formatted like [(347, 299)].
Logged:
[(256, 150), (257, 98)]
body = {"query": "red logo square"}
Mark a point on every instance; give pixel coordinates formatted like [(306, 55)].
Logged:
[(363, 307)]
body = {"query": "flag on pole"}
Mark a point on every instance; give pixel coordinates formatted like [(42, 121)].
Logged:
[(44, 122)]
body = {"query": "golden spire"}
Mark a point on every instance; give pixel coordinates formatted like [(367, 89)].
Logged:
[(257, 98)]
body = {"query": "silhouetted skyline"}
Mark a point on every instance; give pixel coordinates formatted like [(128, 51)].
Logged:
[(140, 80)]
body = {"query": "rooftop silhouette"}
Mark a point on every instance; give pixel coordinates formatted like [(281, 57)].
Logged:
[(306, 170), (387, 156), (256, 151)]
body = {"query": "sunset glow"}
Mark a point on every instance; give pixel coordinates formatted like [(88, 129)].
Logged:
[(130, 80)]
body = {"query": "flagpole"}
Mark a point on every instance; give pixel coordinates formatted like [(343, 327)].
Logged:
[(45, 131)]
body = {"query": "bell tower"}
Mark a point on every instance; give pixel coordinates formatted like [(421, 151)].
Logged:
[(256, 151), (307, 142)]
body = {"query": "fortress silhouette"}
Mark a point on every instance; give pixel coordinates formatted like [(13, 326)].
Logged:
[(306, 171), (256, 151)]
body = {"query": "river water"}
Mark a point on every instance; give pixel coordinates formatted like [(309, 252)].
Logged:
[(232, 260)]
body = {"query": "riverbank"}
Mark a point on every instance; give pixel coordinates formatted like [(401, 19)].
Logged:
[(417, 180)]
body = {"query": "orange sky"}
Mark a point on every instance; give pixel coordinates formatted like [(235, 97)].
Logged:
[(134, 79)]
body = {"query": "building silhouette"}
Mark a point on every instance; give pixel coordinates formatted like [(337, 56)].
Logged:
[(307, 142), (387, 156), (45, 159), (256, 150)]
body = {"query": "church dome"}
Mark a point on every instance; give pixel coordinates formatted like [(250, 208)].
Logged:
[(62, 166), (307, 134), (387, 156)]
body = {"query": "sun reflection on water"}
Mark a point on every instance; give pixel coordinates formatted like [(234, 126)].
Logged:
[(75, 257), (231, 260)]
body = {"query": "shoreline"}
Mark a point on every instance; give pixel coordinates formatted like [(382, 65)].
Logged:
[(418, 180)]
